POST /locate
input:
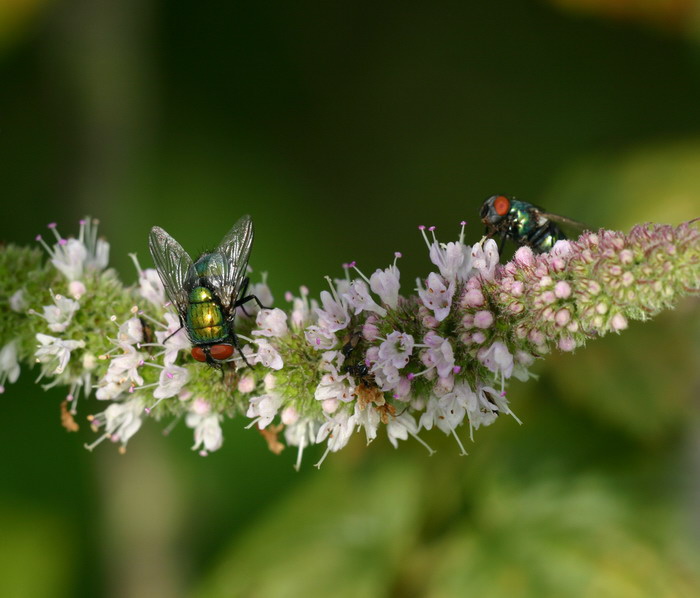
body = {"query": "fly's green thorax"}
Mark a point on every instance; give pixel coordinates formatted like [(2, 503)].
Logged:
[(205, 321), (536, 231), (210, 264), (525, 219)]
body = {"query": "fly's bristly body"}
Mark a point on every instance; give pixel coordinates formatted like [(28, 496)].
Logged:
[(207, 292), (524, 223)]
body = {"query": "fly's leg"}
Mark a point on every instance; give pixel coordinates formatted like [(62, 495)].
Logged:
[(238, 347), (244, 288), (246, 298), (174, 333)]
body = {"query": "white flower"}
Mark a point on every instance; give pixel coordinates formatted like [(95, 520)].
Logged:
[(367, 418), (385, 283), (439, 354), (54, 349), (481, 406), (125, 366), (69, 258), (358, 297), (497, 359), (319, 339), (121, 421), (73, 256), (271, 322), (207, 432), (302, 309), (9, 366), (111, 389), (445, 413), (396, 349), (18, 302), (151, 287), (437, 296), (334, 386), (480, 410), (334, 315), (131, 332), (453, 259), (173, 339), (453, 411), (337, 430), (485, 405), (386, 376), (264, 409), (400, 427), (268, 355), (98, 257), (60, 314), (485, 258), (172, 379)]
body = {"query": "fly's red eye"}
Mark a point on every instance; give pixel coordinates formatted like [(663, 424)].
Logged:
[(220, 352), (199, 354), (501, 204)]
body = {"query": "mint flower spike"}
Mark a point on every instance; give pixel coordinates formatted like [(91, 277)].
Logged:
[(595, 285), (362, 357)]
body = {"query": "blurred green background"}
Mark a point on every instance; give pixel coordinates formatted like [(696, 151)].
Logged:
[(340, 127)]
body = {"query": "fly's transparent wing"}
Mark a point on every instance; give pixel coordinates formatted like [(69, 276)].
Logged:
[(173, 265), (234, 250)]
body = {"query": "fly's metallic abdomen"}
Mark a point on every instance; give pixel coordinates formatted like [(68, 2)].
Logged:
[(205, 321)]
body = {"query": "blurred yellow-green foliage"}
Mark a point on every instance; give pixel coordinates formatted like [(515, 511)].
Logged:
[(340, 127)]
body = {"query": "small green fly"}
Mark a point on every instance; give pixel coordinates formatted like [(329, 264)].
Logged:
[(524, 223), (207, 292)]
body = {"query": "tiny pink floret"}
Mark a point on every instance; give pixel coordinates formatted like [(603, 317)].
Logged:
[(483, 319), (562, 317), (562, 289), (567, 344), (618, 322)]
